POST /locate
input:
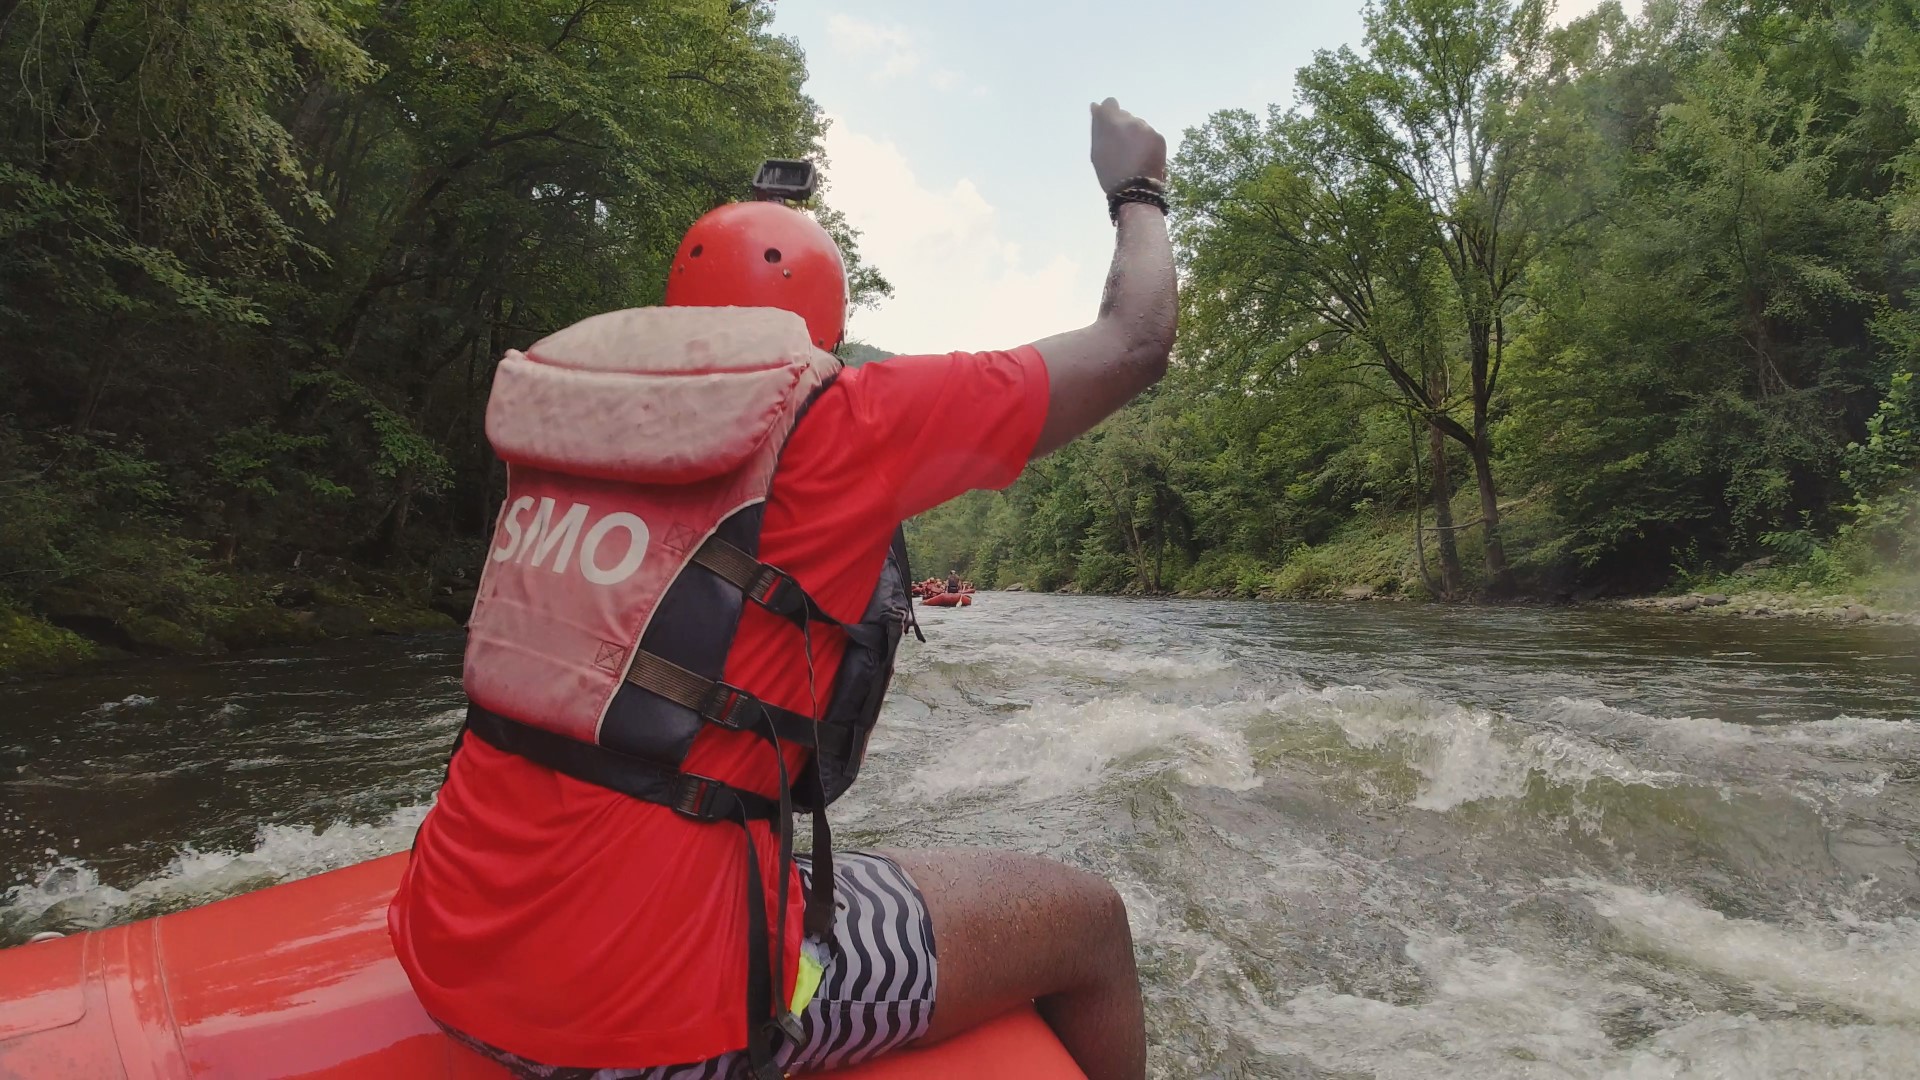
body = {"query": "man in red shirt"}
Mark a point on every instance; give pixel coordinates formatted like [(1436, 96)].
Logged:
[(552, 922)]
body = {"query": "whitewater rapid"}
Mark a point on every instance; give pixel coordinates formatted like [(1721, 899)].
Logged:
[(1354, 840)]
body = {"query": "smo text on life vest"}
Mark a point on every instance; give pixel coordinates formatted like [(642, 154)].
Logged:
[(640, 448)]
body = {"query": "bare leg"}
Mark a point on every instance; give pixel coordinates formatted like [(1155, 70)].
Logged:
[(1013, 928)]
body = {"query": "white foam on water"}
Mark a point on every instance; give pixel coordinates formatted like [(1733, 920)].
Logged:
[(1572, 759), (1724, 1047), (1106, 662), (1497, 1014), (1851, 732), (1150, 925), (1464, 755), (1060, 746), (1826, 764), (279, 853), (131, 701), (1710, 736), (1872, 968), (1491, 1013), (1821, 793)]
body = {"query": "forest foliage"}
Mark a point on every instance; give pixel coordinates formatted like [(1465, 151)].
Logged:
[(1497, 306), (258, 260)]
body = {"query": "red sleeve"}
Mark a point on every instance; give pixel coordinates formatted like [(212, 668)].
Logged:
[(940, 426)]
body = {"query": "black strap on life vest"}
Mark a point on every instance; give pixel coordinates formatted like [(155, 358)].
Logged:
[(702, 799), (768, 586), (776, 591), (708, 800), (728, 706)]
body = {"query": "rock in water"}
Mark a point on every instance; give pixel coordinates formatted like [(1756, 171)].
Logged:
[(456, 605), (1713, 600), (1359, 592)]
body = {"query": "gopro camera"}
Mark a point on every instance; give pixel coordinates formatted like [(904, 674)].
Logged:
[(780, 180)]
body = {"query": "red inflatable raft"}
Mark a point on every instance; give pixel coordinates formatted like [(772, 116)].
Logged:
[(298, 981), (948, 599)]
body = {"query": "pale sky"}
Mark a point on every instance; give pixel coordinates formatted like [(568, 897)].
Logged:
[(959, 138)]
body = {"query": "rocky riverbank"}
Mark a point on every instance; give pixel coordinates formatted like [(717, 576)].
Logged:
[(74, 628), (1774, 605), (1763, 604)]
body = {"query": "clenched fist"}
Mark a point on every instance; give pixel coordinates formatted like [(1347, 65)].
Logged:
[(1125, 146)]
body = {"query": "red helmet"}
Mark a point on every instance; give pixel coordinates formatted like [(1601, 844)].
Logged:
[(763, 254)]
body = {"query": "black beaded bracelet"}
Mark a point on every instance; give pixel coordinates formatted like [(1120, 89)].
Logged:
[(1146, 196), (1139, 189)]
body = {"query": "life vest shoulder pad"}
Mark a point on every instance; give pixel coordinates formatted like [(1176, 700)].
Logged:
[(655, 395), (629, 438)]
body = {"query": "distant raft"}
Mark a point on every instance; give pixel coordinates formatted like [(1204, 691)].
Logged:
[(963, 598), (933, 593)]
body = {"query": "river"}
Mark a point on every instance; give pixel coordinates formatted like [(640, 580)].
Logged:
[(1355, 840)]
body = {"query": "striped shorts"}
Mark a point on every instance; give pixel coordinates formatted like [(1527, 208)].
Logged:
[(875, 995)]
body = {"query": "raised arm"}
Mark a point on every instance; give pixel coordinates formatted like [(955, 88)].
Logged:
[(1094, 370)]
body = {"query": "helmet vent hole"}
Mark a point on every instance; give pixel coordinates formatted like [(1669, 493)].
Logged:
[(773, 255), (697, 248)]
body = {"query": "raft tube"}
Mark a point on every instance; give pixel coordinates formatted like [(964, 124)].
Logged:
[(948, 599), (298, 980)]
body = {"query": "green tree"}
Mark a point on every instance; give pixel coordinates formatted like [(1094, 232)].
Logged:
[(271, 252), (1386, 223)]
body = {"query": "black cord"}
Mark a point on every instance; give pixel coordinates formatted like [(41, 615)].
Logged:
[(1140, 189)]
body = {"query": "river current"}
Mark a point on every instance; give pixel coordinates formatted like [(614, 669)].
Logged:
[(1355, 840)]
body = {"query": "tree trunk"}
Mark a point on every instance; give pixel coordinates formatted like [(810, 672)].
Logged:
[(1480, 344), (402, 513), (380, 545), (311, 115), (1419, 507), (1442, 489), (74, 78), (1139, 549), (1499, 575), (99, 374), (1123, 523)]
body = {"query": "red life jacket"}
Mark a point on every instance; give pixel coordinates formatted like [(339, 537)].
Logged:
[(640, 448)]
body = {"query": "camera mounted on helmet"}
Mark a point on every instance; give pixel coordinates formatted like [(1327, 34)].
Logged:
[(766, 253), (783, 180)]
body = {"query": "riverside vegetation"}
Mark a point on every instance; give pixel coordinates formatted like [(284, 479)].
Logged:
[(1497, 308), (1500, 309), (257, 262)]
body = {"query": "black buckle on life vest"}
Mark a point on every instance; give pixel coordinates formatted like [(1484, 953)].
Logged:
[(694, 796), (777, 592), (729, 707)]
